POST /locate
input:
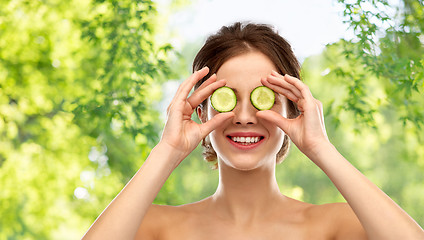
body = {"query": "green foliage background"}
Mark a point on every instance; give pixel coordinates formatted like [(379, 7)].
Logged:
[(79, 82)]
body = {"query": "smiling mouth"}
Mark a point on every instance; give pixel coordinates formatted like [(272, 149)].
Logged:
[(245, 140)]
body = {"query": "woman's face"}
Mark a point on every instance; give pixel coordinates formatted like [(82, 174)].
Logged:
[(243, 73)]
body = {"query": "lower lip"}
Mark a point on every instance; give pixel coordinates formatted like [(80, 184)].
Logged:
[(245, 147)]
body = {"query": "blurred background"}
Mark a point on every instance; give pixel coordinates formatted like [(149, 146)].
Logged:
[(84, 85)]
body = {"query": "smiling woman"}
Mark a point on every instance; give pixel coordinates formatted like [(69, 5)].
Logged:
[(244, 73), (247, 144)]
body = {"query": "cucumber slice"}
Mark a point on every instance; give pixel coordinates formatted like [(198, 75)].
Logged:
[(262, 98), (223, 99)]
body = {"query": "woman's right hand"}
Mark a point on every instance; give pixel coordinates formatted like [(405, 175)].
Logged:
[(181, 133)]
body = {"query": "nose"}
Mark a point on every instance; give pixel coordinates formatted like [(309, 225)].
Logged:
[(245, 113)]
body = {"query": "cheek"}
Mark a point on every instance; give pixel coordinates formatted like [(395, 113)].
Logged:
[(274, 130), (215, 135), (280, 109), (281, 106), (276, 133), (279, 140), (216, 141), (211, 111)]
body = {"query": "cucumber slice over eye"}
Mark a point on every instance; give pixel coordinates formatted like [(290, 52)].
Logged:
[(223, 99), (262, 98)]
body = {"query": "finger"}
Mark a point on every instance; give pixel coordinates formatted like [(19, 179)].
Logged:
[(188, 84), (199, 96), (280, 90), (182, 93), (301, 86), (321, 116), (275, 118), (307, 102), (280, 81), (210, 80), (320, 110), (214, 122), (168, 109), (277, 74)]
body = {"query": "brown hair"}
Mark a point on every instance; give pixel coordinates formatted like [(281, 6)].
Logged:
[(237, 39)]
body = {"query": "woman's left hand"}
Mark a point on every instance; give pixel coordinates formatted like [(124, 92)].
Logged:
[(307, 131)]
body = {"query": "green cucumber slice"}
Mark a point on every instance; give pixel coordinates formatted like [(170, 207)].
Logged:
[(223, 99), (262, 98)]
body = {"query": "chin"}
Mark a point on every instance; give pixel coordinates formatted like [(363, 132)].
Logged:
[(242, 163)]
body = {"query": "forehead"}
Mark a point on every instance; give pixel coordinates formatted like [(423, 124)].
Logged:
[(245, 71)]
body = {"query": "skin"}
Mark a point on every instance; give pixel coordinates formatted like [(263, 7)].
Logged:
[(247, 203)]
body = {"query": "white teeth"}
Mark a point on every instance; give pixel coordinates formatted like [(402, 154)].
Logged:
[(247, 140)]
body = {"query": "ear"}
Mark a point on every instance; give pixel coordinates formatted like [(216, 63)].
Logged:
[(200, 114)]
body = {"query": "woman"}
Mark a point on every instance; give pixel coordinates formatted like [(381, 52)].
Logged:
[(247, 144)]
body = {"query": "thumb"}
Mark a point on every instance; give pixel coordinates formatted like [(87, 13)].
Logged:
[(214, 122), (274, 118)]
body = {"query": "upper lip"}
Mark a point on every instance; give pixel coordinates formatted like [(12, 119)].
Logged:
[(245, 134)]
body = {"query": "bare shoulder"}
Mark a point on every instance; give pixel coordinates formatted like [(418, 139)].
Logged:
[(296, 218), (149, 228), (339, 219), (160, 220), (155, 219)]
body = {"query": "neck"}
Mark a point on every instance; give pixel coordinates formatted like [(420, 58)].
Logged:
[(245, 195)]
